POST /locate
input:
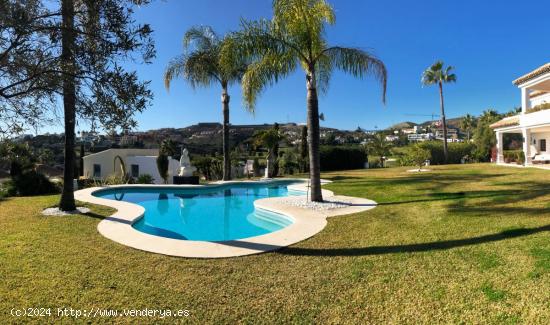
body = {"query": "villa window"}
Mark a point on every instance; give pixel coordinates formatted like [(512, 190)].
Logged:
[(135, 171), (97, 170), (542, 143)]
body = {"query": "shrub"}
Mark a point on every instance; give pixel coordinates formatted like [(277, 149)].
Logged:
[(84, 182), (145, 179), (342, 157), (162, 166), (419, 155), (256, 167), (32, 183), (210, 167), (537, 108), (457, 151), (513, 156), (115, 180), (289, 163)]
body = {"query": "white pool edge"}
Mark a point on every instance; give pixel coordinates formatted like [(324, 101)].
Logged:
[(306, 223)]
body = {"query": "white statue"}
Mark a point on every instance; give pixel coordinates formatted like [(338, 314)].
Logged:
[(186, 169)]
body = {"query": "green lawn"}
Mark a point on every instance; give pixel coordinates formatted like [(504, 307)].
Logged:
[(461, 244)]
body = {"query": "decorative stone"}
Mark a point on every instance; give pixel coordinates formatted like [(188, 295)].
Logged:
[(57, 212)]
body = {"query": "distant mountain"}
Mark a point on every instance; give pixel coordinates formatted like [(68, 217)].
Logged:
[(402, 125)]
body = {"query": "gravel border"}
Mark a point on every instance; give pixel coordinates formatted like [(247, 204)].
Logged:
[(57, 212), (302, 202)]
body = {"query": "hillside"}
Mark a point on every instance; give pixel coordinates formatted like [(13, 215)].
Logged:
[(453, 123)]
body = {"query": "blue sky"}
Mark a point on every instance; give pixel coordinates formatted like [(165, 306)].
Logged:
[(489, 42)]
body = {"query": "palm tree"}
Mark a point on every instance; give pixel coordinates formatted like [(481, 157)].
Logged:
[(489, 116), (468, 123), (379, 147), (438, 74), (269, 139), (202, 65), (295, 37)]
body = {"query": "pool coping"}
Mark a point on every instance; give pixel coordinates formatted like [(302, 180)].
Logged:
[(306, 223)]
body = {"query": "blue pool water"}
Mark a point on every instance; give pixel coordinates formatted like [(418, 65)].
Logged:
[(210, 214)]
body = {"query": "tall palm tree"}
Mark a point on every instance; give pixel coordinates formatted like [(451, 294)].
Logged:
[(295, 37), (202, 66), (438, 74), (468, 123)]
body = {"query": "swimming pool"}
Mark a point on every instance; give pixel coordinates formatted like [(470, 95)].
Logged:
[(218, 213)]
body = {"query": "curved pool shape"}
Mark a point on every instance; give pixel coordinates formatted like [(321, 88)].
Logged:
[(220, 213)]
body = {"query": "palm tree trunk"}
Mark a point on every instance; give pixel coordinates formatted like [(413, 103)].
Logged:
[(443, 122), (67, 202), (226, 153), (313, 140)]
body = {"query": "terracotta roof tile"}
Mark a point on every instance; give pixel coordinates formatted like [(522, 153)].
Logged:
[(507, 121), (532, 75)]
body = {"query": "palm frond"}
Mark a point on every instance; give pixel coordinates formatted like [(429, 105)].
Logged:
[(257, 38), (437, 73), (197, 68), (324, 68), (202, 38), (267, 71), (358, 63), (174, 69), (232, 63)]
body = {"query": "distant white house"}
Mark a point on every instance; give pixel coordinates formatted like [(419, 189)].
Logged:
[(137, 162), (533, 123), (414, 137)]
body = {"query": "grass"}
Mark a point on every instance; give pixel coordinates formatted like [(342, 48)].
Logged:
[(461, 244)]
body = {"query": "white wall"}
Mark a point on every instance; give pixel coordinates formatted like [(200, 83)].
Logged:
[(148, 165), (145, 158), (540, 99), (538, 136), (536, 118)]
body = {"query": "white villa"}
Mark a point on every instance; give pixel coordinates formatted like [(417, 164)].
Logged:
[(137, 162), (534, 120)]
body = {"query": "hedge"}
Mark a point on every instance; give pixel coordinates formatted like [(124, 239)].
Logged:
[(516, 156), (457, 151), (342, 157)]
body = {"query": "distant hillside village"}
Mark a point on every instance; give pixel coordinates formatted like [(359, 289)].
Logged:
[(431, 130), (205, 139)]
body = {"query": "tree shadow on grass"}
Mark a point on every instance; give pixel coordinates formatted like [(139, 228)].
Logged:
[(100, 217), (342, 178), (526, 200), (434, 183), (415, 248), (444, 196)]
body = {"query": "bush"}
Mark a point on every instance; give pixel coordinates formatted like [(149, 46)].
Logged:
[(419, 155), (256, 167), (516, 156), (457, 151), (162, 166), (342, 157), (145, 179), (289, 163), (84, 182), (31, 183), (210, 167), (115, 180), (539, 107)]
